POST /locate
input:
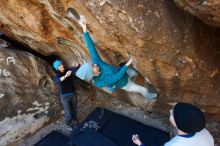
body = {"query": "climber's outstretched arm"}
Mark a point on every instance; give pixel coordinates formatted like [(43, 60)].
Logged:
[(96, 59)]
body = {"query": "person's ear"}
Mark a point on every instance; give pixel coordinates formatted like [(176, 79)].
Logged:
[(96, 74)]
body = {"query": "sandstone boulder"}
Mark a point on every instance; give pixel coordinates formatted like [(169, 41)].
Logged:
[(206, 10), (175, 51), (28, 97)]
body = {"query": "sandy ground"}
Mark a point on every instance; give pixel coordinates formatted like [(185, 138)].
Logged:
[(86, 106)]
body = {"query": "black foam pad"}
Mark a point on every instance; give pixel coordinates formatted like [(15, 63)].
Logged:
[(54, 139), (119, 129)]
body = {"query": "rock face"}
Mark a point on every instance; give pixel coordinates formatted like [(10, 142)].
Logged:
[(175, 51), (206, 10), (28, 97)]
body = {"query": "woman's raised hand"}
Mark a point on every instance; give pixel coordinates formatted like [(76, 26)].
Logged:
[(129, 62), (82, 23)]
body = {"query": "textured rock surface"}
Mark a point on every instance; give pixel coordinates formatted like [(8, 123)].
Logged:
[(28, 97), (206, 10), (22, 126), (175, 51)]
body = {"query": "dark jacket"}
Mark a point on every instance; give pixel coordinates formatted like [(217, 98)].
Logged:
[(66, 86)]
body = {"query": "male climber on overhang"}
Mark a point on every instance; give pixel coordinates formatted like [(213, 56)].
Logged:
[(103, 74)]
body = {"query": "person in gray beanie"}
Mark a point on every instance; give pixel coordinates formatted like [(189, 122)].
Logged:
[(190, 124)]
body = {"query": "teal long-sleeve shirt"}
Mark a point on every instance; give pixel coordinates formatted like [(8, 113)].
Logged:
[(110, 75)]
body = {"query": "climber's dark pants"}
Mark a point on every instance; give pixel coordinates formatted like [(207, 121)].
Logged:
[(70, 107)]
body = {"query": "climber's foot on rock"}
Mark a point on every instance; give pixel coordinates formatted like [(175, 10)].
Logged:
[(152, 97), (151, 88)]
